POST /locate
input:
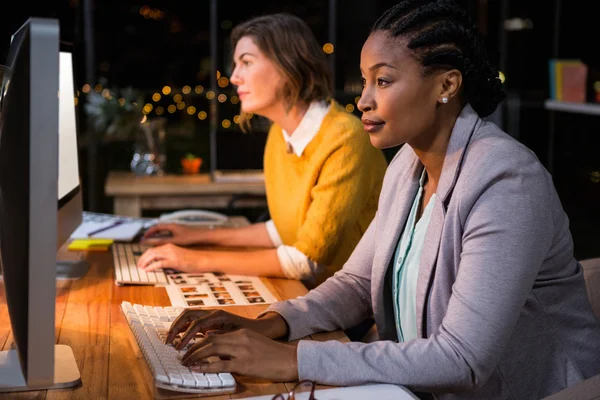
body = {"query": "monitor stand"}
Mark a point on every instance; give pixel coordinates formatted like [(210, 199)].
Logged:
[(71, 269), (66, 372)]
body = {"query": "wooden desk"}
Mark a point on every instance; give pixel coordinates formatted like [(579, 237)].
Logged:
[(134, 193), (90, 320)]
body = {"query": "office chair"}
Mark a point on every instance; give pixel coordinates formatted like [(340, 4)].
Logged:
[(588, 389), (591, 272)]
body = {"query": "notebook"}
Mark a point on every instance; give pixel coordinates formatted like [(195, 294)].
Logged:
[(125, 231), (374, 391)]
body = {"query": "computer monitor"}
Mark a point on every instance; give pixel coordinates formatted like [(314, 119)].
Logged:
[(30, 230), (239, 156)]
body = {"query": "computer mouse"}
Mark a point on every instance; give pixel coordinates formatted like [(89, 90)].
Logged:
[(160, 235)]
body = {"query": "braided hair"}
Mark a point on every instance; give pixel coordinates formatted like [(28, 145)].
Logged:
[(441, 35)]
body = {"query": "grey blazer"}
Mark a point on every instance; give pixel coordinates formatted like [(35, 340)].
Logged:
[(502, 310)]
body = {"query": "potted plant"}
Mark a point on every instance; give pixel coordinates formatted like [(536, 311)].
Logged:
[(191, 164)]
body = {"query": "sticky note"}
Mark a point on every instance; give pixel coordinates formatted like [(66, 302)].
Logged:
[(90, 244)]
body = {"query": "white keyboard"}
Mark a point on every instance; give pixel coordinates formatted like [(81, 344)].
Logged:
[(125, 256), (150, 326)]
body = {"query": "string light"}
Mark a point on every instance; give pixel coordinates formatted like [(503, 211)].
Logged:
[(223, 82), (156, 97), (151, 13)]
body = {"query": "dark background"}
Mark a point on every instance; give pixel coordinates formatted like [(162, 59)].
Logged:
[(150, 44)]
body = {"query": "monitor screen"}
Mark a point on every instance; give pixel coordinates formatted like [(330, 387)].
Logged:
[(70, 201), (68, 168)]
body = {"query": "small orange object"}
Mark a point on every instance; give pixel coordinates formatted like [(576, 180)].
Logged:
[(191, 165)]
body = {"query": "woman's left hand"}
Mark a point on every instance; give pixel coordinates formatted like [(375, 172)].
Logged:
[(172, 256), (246, 353)]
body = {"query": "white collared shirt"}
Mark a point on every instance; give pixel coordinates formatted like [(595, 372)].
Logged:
[(308, 127), (294, 263)]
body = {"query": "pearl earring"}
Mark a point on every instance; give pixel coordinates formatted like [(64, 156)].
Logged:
[(444, 100)]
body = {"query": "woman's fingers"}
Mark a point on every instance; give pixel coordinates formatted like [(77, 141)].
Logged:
[(214, 346), (150, 256), (147, 257), (153, 230), (183, 321), (215, 367), (156, 229), (216, 320), (244, 352), (155, 241), (157, 264)]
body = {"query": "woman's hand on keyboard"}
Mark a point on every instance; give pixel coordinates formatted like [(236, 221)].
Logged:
[(171, 256), (244, 352), (170, 233), (193, 321)]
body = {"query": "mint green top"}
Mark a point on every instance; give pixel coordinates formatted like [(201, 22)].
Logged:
[(406, 267)]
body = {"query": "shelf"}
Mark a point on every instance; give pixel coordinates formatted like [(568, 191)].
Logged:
[(576, 108)]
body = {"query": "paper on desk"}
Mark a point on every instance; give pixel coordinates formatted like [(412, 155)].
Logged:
[(375, 391), (124, 232), (207, 289)]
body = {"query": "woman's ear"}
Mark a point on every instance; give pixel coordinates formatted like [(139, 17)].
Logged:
[(451, 83)]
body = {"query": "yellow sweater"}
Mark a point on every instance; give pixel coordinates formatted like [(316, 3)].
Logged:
[(323, 201)]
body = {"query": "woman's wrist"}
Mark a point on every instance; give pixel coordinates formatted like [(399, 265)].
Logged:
[(205, 236), (272, 325)]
